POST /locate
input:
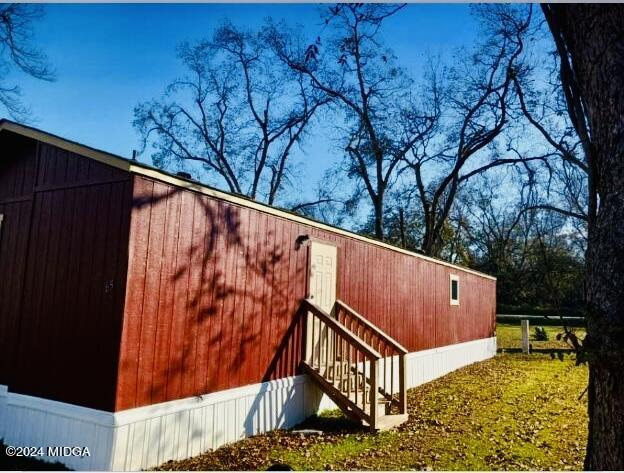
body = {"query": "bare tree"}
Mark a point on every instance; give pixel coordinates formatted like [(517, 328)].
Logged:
[(477, 110), (238, 113), (531, 252), (16, 32), (335, 201), (590, 43), (545, 109), (375, 96), (500, 231)]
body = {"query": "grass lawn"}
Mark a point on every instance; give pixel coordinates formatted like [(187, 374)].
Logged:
[(509, 338), (512, 412)]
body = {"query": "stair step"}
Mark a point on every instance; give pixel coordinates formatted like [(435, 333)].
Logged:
[(344, 385), (355, 379), (337, 370), (382, 404), (345, 379), (354, 387), (389, 421)]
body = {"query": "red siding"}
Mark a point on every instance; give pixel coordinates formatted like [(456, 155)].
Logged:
[(12, 253), (18, 165), (66, 249), (214, 292), (205, 294)]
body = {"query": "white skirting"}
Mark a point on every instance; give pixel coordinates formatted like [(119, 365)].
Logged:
[(144, 437), (427, 365)]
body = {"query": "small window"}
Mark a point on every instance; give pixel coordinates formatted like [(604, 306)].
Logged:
[(454, 287)]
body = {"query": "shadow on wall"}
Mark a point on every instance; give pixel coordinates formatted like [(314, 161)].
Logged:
[(222, 293), (270, 409)]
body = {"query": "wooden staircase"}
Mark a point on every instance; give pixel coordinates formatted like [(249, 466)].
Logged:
[(357, 365)]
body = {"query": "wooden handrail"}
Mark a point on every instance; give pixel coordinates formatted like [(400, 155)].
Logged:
[(340, 354), (380, 333), (356, 341)]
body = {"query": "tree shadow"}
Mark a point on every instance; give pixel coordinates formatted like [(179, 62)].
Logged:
[(331, 423), (221, 306)]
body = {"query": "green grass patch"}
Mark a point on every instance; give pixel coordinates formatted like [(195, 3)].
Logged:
[(509, 337), (512, 412)]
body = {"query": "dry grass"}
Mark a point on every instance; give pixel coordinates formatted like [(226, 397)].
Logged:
[(509, 338), (512, 412)]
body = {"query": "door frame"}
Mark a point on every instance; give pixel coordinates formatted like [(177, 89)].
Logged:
[(311, 241), (308, 318)]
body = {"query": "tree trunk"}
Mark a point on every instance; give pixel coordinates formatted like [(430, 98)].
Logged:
[(427, 242), (593, 36), (379, 219), (431, 243), (402, 227)]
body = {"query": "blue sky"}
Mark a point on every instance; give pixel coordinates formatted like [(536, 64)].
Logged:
[(110, 57)]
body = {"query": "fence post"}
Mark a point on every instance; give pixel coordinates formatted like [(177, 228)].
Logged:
[(525, 336)]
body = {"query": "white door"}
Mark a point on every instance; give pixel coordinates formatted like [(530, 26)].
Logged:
[(322, 290), (323, 260)]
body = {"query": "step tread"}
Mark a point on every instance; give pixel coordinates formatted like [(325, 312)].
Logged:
[(335, 376), (391, 420)]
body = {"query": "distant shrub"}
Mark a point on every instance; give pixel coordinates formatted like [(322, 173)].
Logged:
[(543, 311), (541, 334)]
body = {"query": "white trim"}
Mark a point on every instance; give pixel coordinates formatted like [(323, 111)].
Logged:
[(174, 407), (427, 365), (71, 412), (147, 171), (125, 440), (147, 436)]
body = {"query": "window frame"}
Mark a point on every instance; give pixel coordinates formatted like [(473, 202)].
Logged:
[(453, 278)]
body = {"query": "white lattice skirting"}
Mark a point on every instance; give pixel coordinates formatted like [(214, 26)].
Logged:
[(144, 437)]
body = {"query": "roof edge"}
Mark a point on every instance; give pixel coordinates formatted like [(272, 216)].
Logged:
[(154, 173)]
